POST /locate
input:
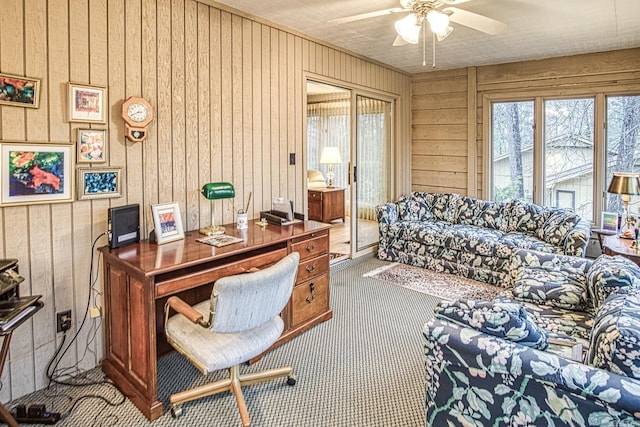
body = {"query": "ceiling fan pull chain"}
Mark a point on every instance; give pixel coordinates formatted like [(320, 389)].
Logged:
[(424, 45), (434, 50)]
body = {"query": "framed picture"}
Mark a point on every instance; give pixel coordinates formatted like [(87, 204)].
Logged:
[(91, 146), (87, 103), (98, 183), (19, 91), (35, 173), (167, 222), (610, 221)]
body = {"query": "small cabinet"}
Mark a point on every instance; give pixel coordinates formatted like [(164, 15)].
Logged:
[(326, 204)]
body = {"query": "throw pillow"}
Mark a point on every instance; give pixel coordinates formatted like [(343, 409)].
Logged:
[(565, 287), (608, 274), (615, 337), (558, 224), (445, 206), (526, 217), (501, 319)]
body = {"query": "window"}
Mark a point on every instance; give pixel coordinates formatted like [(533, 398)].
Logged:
[(566, 199)]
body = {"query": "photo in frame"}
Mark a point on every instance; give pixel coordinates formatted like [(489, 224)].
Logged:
[(167, 222), (19, 91), (87, 103), (35, 173), (610, 221), (91, 145), (99, 183)]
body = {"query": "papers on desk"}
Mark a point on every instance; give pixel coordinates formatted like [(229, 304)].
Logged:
[(26, 312), (219, 240)]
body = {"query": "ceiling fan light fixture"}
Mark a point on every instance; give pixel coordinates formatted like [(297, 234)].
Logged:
[(408, 28), (438, 22)]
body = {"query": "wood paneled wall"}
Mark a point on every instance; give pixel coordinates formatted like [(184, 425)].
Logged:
[(448, 117), (228, 92)]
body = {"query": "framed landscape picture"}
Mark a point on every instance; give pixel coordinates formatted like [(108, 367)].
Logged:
[(19, 91), (91, 146), (167, 222), (87, 103), (35, 173), (610, 221), (98, 183)]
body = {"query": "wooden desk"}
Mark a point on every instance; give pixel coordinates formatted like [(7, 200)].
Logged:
[(139, 278), (326, 204), (614, 245)]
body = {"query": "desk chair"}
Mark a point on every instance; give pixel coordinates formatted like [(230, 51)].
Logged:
[(239, 322)]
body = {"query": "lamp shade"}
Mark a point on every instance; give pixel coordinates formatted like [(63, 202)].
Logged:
[(330, 156), (624, 183), (218, 190), (438, 21), (408, 28)]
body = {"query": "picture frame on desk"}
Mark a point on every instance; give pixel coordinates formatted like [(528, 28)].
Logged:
[(610, 221), (167, 222)]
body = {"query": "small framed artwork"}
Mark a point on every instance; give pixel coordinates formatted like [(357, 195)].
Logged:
[(35, 173), (167, 222), (610, 221), (91, 146), (98, 183), (19, 91), (87, 103)]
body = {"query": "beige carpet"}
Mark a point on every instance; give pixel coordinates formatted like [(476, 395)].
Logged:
[(441, 285)]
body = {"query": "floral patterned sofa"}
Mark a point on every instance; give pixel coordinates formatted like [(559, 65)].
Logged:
[(472, 237), (490, 363)]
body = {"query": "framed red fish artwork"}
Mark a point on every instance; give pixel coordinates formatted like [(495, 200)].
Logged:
[(32, 173)]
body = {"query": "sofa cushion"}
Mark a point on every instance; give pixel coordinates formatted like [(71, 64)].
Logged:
[(467, 238), (416, 207), (557, 225), (609, 274), (565, 287), (482, 213), (501, 319), (615, 338), (525, 241), (526, 217)]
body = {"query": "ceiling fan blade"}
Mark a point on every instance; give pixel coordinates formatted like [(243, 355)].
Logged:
[(455, 2), (445, 33), (477, 22), (399, 41), (367, 15)]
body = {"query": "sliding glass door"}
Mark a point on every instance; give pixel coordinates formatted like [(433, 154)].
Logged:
[(371, 169)]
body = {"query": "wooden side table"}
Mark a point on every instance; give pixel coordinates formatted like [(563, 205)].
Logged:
[(614, 245), (326, 204)]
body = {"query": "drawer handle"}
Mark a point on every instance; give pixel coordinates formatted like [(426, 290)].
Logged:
[(312, 268), (312, 287), (312, 247)]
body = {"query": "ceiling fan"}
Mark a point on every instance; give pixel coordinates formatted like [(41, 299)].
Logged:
[(409, 27)]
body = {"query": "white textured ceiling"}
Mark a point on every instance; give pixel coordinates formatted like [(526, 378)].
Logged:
[(537, 29)]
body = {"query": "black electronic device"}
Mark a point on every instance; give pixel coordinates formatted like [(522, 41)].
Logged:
[(35, 414), (124, 225)]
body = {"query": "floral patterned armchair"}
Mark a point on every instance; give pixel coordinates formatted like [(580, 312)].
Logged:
[(489, 364)]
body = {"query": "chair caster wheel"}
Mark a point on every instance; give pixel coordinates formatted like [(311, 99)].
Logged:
[(291, 380), (176, 411)]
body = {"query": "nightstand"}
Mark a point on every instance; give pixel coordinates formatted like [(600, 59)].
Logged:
[(326, 204), (614, 245)]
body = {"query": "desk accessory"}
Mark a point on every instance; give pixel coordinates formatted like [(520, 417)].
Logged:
[(216, 191), (167, 222), (123, 225), (219, 240)]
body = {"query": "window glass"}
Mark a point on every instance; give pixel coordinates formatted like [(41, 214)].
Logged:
[(512, 145), (623, 146), (568, 153)]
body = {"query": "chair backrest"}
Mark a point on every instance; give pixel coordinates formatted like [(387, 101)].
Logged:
[(315, 179), (246, 301)]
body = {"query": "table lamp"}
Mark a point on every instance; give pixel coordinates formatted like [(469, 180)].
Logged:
[(330, 156), (627, 185), (216, 191)]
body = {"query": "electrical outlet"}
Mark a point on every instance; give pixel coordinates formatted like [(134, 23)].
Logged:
[(63, 321), (94, 312)]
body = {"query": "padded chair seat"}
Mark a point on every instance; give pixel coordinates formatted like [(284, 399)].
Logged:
[(210, 351)]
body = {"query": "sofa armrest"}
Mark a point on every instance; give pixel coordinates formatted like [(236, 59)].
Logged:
[(387, 214), (577, 239), (471, 376)]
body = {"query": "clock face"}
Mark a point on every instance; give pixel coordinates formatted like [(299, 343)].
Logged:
[(137, 112)]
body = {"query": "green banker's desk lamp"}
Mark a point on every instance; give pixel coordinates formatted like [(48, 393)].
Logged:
[(216, 191)]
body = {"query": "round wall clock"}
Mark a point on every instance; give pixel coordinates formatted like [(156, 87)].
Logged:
[(137, 114)]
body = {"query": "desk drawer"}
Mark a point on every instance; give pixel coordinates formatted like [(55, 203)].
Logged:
[(310, 299), (313, 267), (311, 247), (205, 275)]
